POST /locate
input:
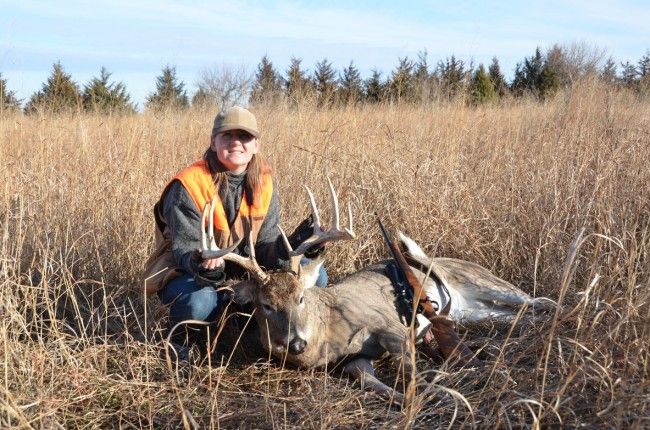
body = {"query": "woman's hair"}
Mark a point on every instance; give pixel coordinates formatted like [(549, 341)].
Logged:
[(254, 171)]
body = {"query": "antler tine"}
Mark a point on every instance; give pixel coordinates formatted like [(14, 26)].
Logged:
[(314, 209), (287, 245), (204, 239), (213, 203), (294, 258), (251, 247), (209, 248), (319, 236), (335, 205)]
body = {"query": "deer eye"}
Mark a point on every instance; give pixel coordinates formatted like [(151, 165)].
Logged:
[(267, 308), (302, 299)]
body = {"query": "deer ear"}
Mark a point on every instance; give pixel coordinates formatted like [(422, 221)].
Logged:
[(309, 273), (243, 292)]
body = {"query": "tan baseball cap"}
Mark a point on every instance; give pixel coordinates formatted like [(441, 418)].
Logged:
[(235, 118)]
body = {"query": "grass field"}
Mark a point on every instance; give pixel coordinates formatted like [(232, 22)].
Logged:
[(508, 187)]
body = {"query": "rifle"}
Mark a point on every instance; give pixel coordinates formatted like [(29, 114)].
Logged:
[(450, 345)]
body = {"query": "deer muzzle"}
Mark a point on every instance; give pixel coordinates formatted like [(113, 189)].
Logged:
[(297, 346)]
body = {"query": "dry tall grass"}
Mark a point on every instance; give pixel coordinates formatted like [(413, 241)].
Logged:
[(508, 187)]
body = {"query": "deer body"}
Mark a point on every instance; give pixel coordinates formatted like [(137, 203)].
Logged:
[(357, 319), (359, 315)]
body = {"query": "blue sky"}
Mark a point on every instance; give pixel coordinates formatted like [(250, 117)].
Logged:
[(135, 39)]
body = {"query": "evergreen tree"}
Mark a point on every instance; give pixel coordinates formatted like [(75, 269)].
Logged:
[(528, 76), (550, 82), (423, 79), (608, 72), (101, 96), (8, 100), (452, 76), (325, 82), (59, 94), (533, 69), (170, 92), (297, 84), (267, 87), (629, 74), (421, 67), (350, 85), (643, 69), (518, 84), (556, 64), (481, 87), (497, 78), (375, 89), (402, 82)]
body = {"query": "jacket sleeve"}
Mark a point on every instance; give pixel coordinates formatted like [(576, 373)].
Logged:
[(183, 220), (269, 247)]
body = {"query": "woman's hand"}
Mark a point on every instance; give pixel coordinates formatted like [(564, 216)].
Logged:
[(200, 264), (212, 263)]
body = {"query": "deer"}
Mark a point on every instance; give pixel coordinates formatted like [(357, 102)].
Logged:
[(355, 320)]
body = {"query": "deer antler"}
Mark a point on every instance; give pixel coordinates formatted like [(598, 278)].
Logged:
[(319, 236), (209, 248)]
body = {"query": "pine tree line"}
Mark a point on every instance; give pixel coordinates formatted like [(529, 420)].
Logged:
[(60, 94), (412, 81), (539, 76), (8, 100)]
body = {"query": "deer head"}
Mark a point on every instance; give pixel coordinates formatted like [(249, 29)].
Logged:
[(286, 306)]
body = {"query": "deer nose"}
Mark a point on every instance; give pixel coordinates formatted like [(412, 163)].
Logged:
[(297, 346)]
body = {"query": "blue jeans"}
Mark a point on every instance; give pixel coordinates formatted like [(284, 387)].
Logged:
[(190, 301), (321, 281)]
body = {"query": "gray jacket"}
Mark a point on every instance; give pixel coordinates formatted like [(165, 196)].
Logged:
[(184, 220)]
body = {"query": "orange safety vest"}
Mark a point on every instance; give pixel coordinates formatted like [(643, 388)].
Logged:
[(161, 266)]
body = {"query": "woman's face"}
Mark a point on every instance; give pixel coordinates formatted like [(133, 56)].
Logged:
[(235, 148)]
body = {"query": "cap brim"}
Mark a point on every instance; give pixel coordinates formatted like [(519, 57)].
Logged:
[(229, 127)]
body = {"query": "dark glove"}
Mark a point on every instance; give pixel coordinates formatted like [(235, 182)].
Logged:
[(315, 251), (206, 277), (303, 232), (210, 278)]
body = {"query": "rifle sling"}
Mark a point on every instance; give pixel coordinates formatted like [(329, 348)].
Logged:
[(444, 332), (413, 262)]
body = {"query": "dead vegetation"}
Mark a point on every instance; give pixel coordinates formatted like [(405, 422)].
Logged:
[(508, 187)]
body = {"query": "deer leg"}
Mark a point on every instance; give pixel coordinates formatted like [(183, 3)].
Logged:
[(361, 369), (397, 346)]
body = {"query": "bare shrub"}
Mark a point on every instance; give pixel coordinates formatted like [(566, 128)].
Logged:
[(223, 86), (576, 60)]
